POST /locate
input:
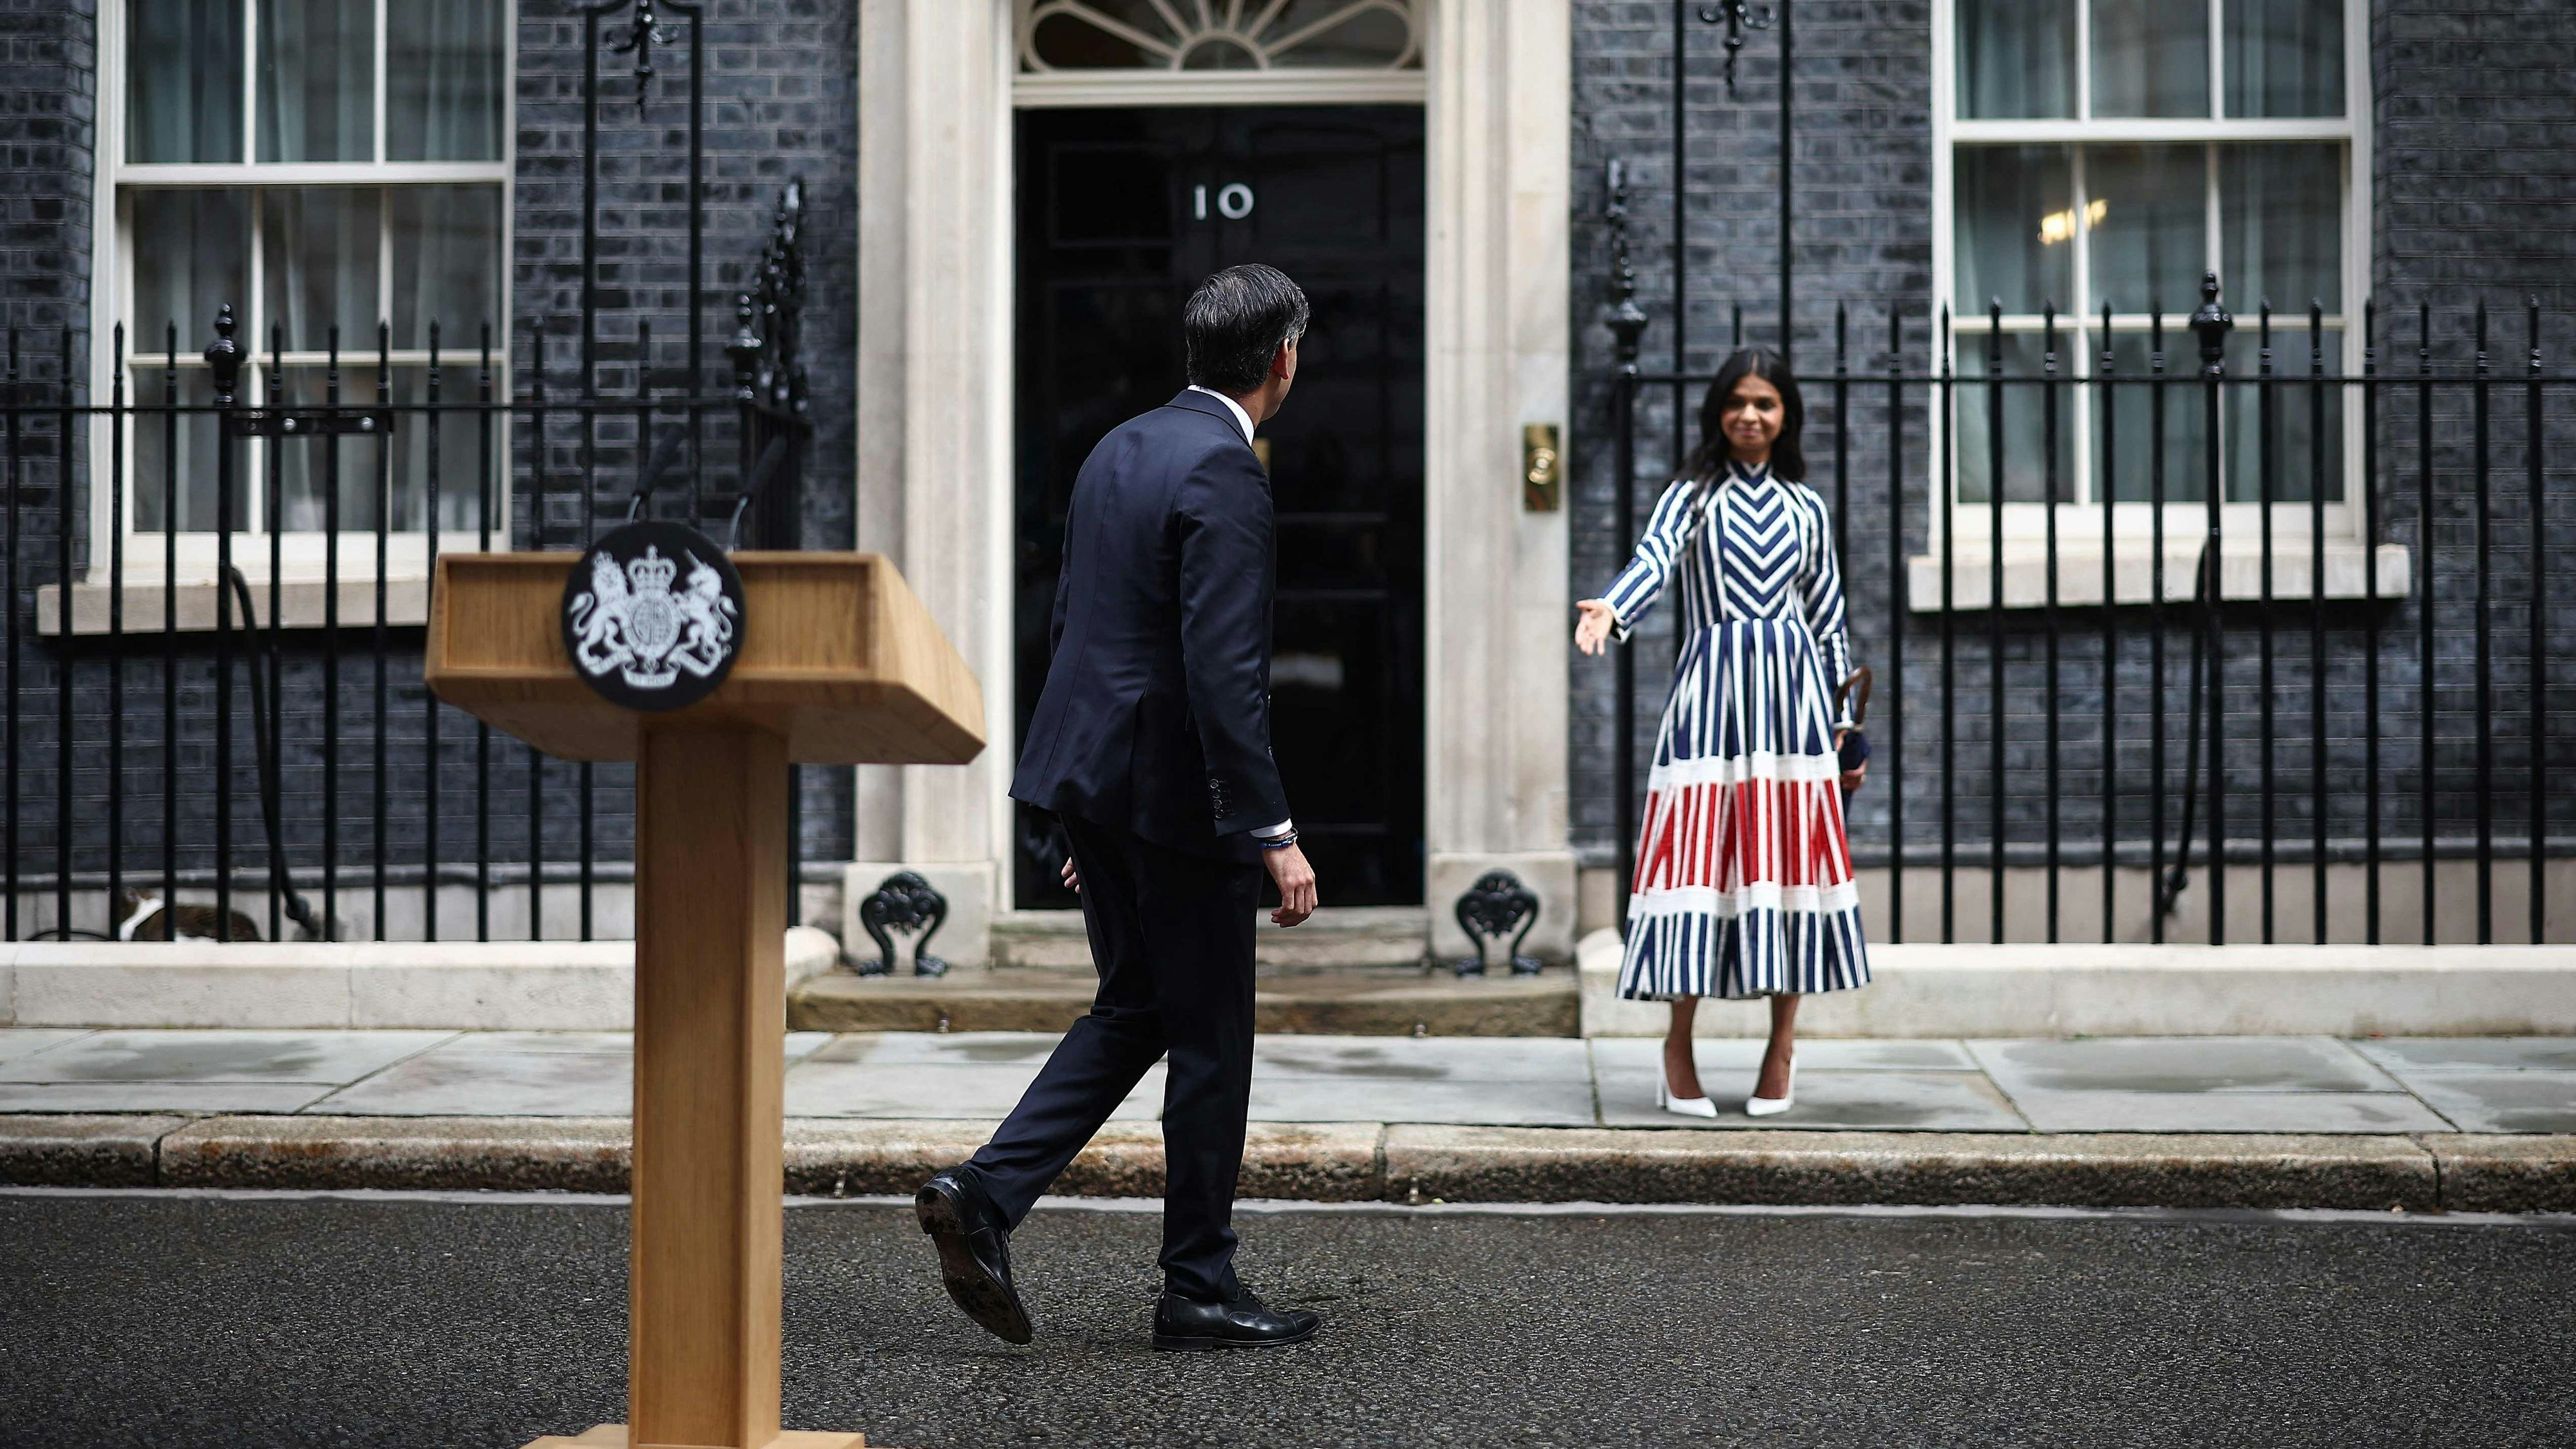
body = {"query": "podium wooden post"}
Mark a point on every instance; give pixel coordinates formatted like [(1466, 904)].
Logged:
[(839, 664)]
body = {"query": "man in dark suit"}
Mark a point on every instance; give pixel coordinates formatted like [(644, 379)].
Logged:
[(1151, 743)]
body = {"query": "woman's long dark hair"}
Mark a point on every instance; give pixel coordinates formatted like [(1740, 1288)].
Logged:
[(1788, 457)]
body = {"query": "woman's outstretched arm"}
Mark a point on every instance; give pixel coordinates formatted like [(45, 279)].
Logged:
[(1628, 598)]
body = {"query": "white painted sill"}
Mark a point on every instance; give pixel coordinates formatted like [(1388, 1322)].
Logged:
[(2347, 572), (300, 605)]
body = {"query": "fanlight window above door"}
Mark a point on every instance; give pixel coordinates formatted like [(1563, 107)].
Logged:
[(1220, 35)]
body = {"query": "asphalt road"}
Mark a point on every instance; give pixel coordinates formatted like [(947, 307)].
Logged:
[(129, 1320)]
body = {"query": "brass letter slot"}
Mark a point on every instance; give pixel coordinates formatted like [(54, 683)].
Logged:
[(1539, 467)]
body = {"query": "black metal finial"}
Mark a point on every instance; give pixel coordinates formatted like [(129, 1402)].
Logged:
[(2211, 324), (642, 34), (744, 349), (224, 356), (783, 275), (1739, 17), (1626, 319)]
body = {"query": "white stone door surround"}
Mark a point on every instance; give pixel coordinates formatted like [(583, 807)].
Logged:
[(935, 481)]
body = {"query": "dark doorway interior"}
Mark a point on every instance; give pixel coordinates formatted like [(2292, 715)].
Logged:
[(1120, 213)]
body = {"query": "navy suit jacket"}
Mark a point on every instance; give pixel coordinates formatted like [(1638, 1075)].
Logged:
[(1155, 717)]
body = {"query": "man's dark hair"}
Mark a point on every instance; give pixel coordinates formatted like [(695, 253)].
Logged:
[(1236, 322)]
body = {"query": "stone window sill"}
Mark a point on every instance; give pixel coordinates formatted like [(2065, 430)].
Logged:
[(2079, 573), (300, 603)]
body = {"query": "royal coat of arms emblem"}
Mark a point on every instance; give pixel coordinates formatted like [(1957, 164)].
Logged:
[(652, 615)]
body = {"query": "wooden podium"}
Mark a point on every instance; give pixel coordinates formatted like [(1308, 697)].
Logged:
[(838, 664)]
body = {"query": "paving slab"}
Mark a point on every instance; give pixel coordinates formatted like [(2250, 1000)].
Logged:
[(2401, 1056), (2501, 1101), (194, 1098), (953, 1049), (117, 1151), (548, 1043), (2188, 1065), (1829, 1054), (2224, 1111), (221, 1056), (23, 1041), (1396, 1059), (1841, 1101), (466, 1079), (869, 1089)]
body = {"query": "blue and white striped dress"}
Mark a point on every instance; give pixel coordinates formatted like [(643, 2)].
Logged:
[(1744, 877)]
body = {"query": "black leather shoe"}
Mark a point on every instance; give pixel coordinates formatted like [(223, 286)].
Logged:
[(1185, 1325), (974, 1253)]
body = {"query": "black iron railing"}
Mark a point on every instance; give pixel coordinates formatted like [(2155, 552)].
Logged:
[(212, 729), (2300, 619)]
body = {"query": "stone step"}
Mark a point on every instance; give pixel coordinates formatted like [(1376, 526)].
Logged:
[(1333, 939), (1350, 1001)]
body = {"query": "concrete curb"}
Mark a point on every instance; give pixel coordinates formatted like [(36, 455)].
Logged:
[(83, 1151), (2505, 1174), (1357, 1162), (1475, 1164)]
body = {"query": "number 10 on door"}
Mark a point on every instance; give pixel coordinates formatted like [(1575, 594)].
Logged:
[(1233, 201)]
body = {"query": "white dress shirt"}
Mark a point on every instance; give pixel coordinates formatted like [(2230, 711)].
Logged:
[(1244, 420)]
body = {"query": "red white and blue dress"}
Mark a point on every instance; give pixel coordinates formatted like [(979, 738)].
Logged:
[(1744, 875)]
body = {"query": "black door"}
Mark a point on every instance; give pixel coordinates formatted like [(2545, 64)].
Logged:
[(1121, 212)]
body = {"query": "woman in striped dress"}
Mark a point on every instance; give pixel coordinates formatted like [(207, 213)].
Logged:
[(1744, 876)]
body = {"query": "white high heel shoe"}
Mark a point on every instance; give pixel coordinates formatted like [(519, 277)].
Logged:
[(1680, 1106), (1774, 1106)]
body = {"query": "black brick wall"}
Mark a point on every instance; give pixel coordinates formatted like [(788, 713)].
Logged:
[(2474, 182), (48, 100), (48, 114)]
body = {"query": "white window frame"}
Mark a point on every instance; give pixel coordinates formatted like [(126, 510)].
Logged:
[(2079, 523), (304, 555)]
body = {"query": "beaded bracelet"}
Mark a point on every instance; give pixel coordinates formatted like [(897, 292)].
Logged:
[(1279, 842)]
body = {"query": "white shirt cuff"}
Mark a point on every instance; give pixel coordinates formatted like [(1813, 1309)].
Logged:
[(1273, 832)]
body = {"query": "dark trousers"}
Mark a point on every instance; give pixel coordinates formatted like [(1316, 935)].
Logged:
[(1171, 934)]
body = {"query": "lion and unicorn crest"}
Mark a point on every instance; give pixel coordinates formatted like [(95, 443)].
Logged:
[(634, 622)]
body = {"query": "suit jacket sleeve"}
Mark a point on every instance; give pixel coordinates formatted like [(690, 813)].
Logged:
[(1226, 578)]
